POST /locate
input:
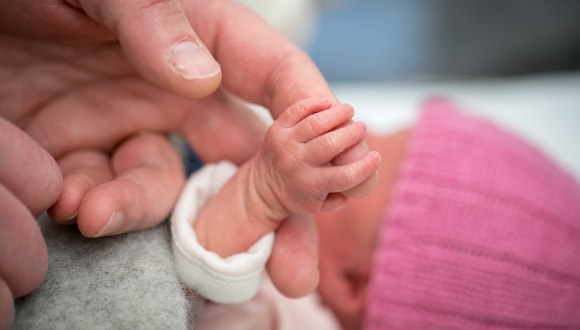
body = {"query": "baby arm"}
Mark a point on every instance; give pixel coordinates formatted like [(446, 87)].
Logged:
[(292, 173)]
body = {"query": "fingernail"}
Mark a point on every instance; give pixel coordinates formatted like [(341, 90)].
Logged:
[(191, 60), (114, 224), (70, 220), (379, 157)]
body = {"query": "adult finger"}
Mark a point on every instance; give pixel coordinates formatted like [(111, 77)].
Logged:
[(49, 19), (293, 264), (6, 306), (82, 171), (281, 74), (222, 127), (149, 177), (23, 253), (259, 64), (160, 43), (27, 170)]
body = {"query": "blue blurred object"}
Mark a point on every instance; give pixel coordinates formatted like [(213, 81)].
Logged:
[(390, 40), (192, 162), (370, 39)]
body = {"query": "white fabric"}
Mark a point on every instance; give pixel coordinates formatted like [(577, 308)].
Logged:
[(241, 296), (294, 18), (223, 280), (269, 309)]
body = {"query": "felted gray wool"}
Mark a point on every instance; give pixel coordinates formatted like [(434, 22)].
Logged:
[(120, 282)]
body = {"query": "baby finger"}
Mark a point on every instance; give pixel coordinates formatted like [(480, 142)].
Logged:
[(322, 122), (325, 148), (343, 177)]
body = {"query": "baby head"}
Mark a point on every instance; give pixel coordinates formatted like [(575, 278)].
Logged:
[(348, 238), (456, 198)]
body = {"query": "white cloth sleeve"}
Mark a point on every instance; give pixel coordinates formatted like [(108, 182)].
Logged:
[(223, 280)]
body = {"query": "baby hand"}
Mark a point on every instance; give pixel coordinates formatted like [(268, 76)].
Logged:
[(294, 163)]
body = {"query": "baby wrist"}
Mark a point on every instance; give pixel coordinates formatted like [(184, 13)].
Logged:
[(224, 280), (263, 200)]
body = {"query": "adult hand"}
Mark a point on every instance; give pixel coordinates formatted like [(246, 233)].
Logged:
[(85, 77), (82, 99), (30, 181)]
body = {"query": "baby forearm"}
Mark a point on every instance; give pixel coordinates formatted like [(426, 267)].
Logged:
[(236, 217), (290, 174)]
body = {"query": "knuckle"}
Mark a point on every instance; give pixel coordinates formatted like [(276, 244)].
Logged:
[(293, 114), (165, 10), (316, 123)]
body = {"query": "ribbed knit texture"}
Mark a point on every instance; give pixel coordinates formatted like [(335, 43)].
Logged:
[(483, 232)]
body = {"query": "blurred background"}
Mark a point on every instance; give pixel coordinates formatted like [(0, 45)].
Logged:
[(516, 62), (432, 39)]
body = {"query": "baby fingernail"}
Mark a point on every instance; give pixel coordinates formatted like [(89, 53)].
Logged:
[(191, 60)]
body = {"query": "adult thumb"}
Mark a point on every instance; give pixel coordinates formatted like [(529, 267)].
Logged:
[(160, 43), (293, 264)]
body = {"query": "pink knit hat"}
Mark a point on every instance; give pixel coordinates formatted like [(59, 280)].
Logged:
[(483, 232)]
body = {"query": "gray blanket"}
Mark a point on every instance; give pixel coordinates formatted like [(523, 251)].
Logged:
[(122, 282)]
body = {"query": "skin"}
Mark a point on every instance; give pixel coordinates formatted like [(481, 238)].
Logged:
[(348, 237), (97, 84), (288, 178), (25, 190), (292, 173)]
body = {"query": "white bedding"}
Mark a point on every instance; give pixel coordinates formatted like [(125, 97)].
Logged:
[(545, 109)]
